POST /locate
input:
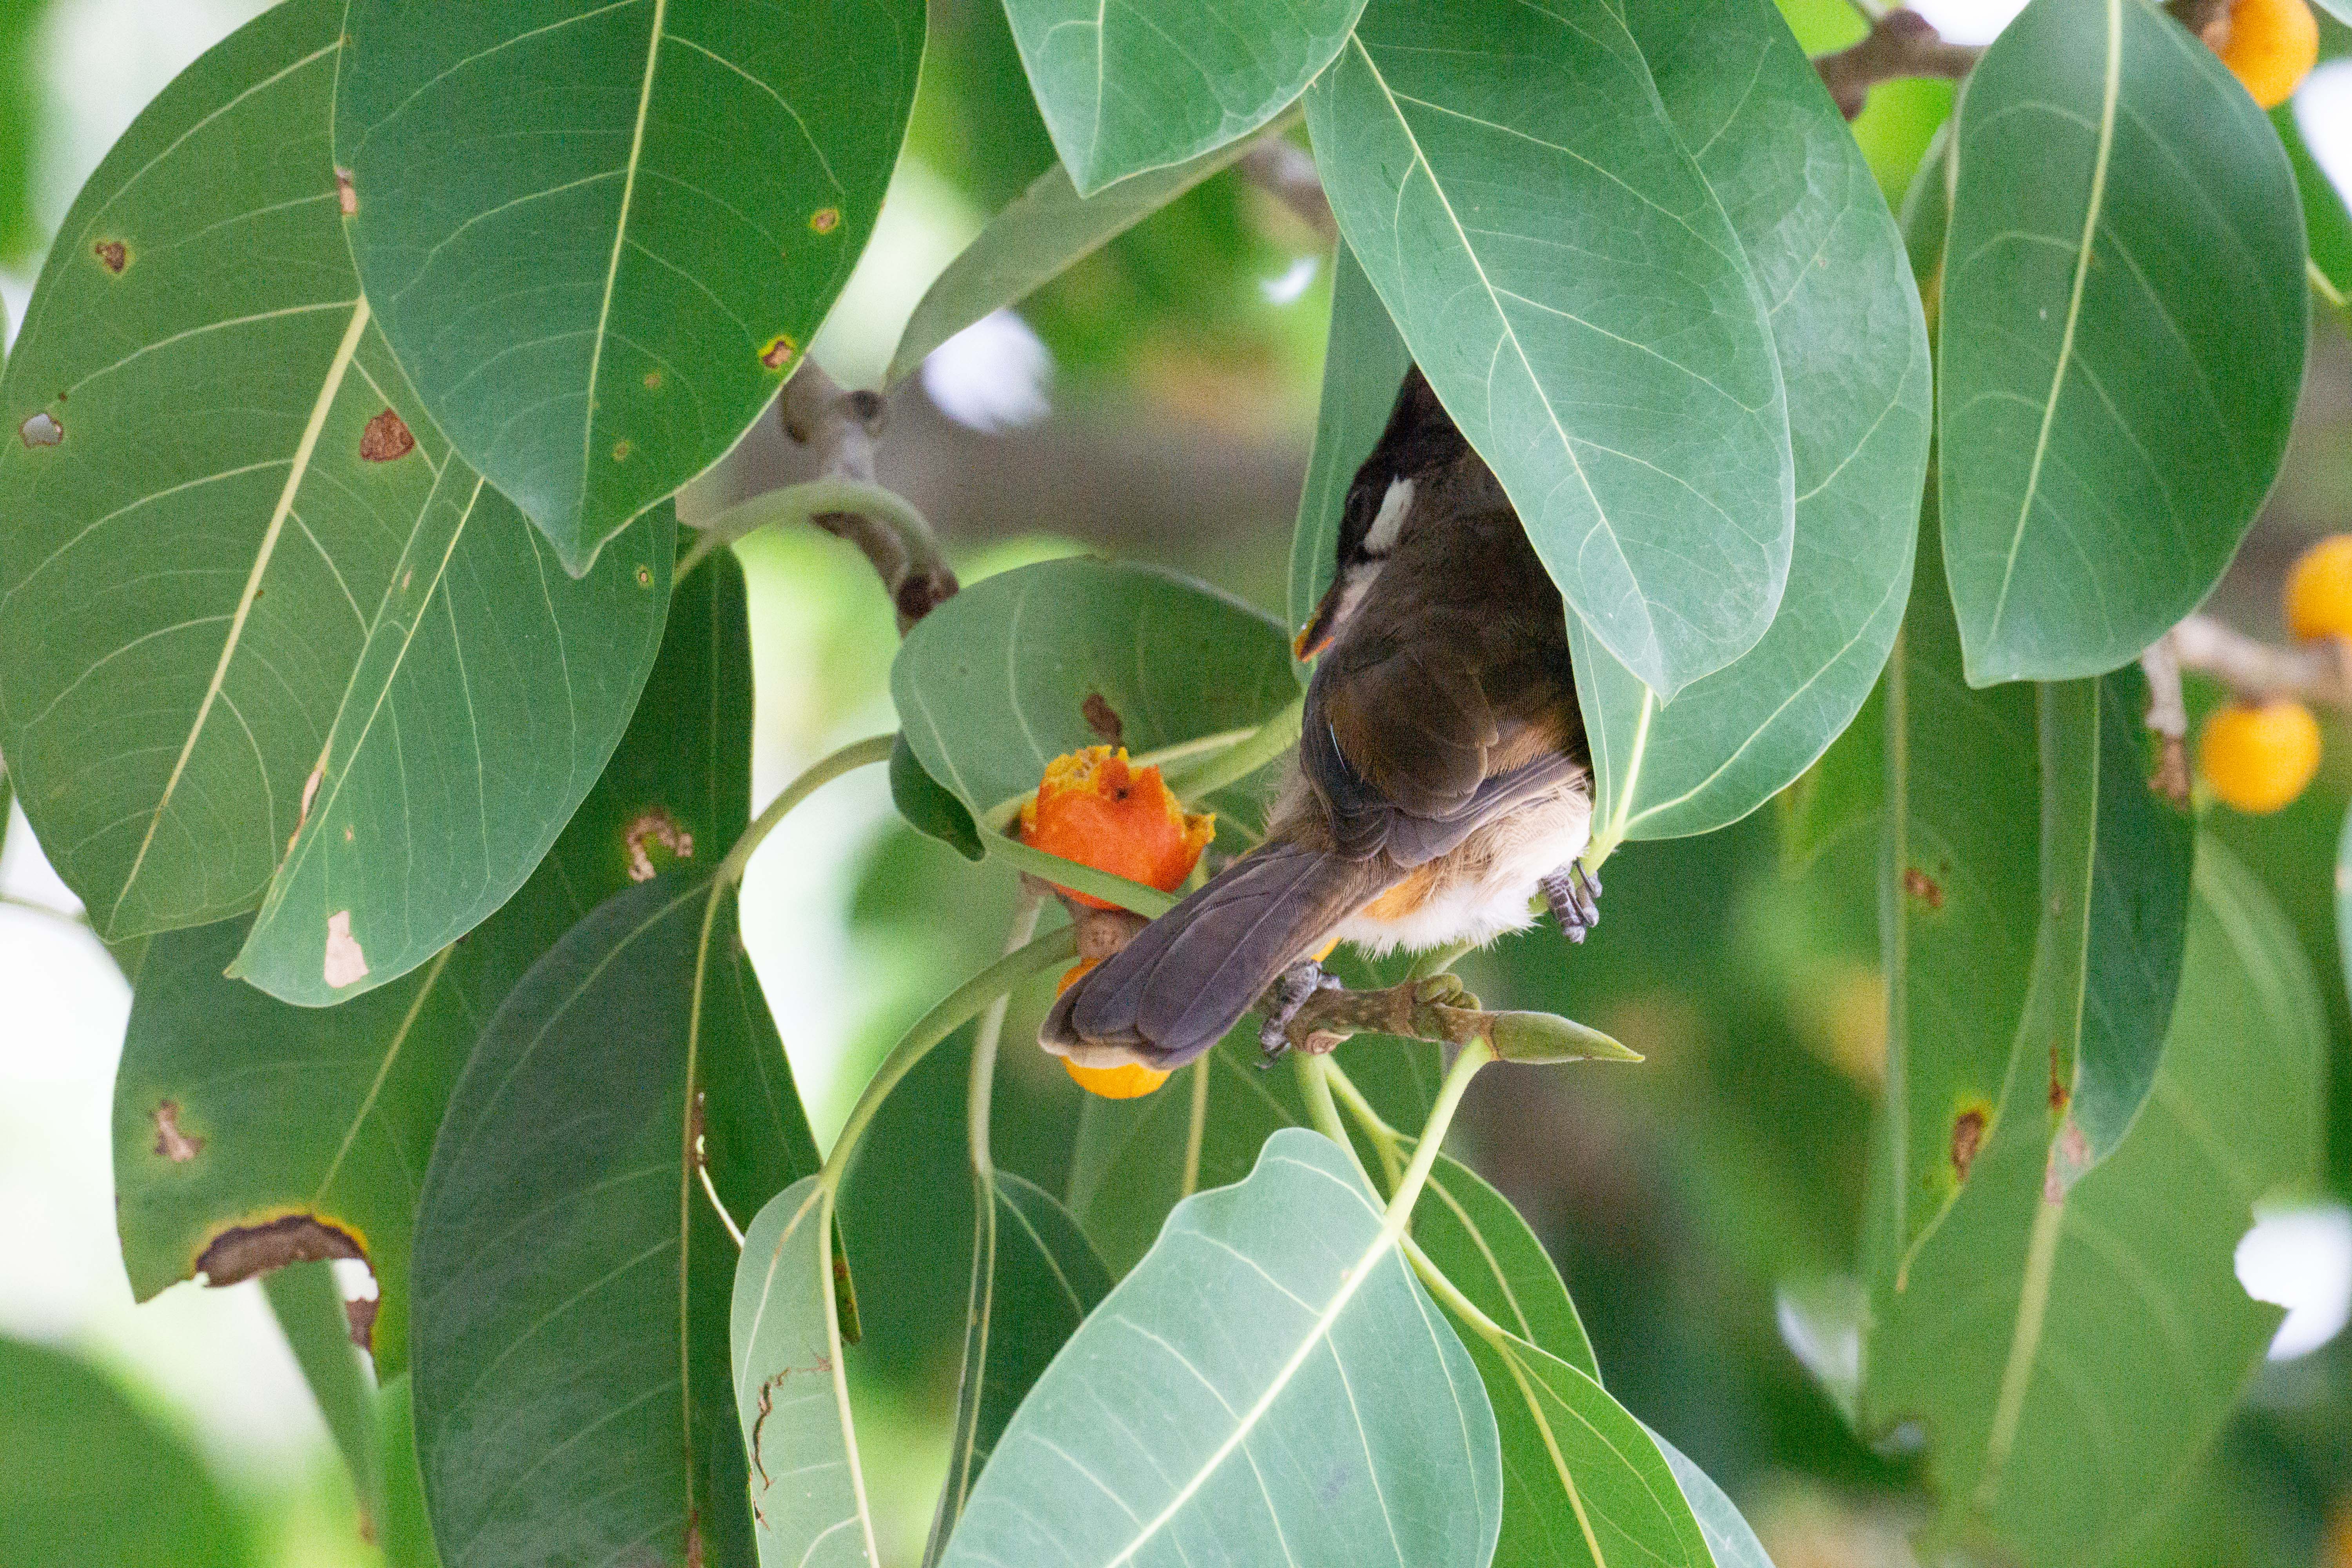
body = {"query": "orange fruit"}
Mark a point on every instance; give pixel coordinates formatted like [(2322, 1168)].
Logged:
[(2320, 590), (1095, 808), (2268, 45), (1124, 1081), (2258, 756)]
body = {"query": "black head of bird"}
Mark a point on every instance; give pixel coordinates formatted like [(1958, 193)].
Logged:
[(1442, 779)]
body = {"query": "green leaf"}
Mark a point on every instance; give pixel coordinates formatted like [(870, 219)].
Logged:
[(2328, 227), (300, 1131), (405, 1533), (1957, 914), (1132, 88), (571, 1276), (2123, 317), (1841, 793), (1730, 1541), (312, 1314), (2067, 1357), (1034, 1280), (1364, 364), (1577, 298), (1345, 1423), (1043, 231), (92, 1482), (791, 1392), (928, 807), (1583, 1483), (1480, 1243), (996, 682), (248, 556), (1853, 350), (601, 234)]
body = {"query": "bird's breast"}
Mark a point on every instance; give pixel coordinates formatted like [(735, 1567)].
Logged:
[(1483, 889)]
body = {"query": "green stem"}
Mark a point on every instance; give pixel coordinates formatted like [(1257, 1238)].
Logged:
[(1387, 1142), (1451, 1295), (1148, 902), (857, 754), (1475, 1054), (800, 503), (982, 1088), (958, 1008), (1438, 960), (10, 900), (1267, 742), (1314, 1078)]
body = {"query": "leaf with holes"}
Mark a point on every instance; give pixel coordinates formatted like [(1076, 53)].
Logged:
[(1046, 230), (247, 598), (248, 1132), (2123, 317), (792, 1391), (1364, 364), (599, 233), (1347, 1416), (1034, 1280), (1575, 293), (1033, 663), (1853, 350), (1135, 86), (92, 1481), (2067, 1360), (571, 1276)]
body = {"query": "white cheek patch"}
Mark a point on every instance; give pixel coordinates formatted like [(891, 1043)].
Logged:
[(1389, 521)]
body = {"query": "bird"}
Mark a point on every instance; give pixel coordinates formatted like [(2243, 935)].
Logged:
[(1443, 777)]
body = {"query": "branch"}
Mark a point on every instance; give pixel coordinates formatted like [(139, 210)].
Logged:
[(1440, 1009), (2319, 671), (1899, 43), (839, 429)]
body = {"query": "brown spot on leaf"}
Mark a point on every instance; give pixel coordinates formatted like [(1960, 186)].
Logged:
[(345, 964), (1967, 1137), (1102, 719), (825, 220), (621, 450), (644, 576), (171, 1143), (652, 827), (359, 1313), (653, 381), (1923, 886), (693, 1540), (386, 438), (347, 196), (779, 351), (845, 1298), (41, 430), (2058, 1092), (243, 1251), (112, 255)]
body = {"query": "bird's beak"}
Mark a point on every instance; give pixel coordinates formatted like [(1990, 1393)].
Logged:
[(1317, 635)]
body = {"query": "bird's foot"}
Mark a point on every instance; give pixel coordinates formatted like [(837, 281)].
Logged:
[(1281, 1001), (1574, 895)]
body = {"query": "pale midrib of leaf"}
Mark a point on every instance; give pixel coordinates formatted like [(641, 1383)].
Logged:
[(1552, 1447), (1494, 1265), (2024, 1345), (1510, 335), (2092, 207), (1897, 814), (382, 1072), (620, 239), (304, 450)]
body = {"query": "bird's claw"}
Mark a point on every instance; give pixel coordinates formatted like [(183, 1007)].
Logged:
[(1574, 895), (1281, 1001)]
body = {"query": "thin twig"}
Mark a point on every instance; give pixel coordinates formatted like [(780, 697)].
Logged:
[(840, 429), (1900, 43), (2317, 671), (2167, 716), (1440, 1009)]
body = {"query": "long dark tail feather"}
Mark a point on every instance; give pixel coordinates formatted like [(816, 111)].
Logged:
[(1189, 976)]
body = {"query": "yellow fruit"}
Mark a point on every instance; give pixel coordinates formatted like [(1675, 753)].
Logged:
[(2258, 756), (1124, 1081), (2269, 44), (1094, 808), (2320, 590)]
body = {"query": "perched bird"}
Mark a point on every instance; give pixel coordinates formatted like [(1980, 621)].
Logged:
[(1443, 773)]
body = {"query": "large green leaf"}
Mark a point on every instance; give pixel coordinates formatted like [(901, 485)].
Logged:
[(1033, 1279), (1730, 1540), (256, 622), (1146, 83), (1853, 355), (1958, 900), (1342, 1423), (310, 1313), (1364, 364), (405, 1533), (92, 1482), (1045, 231), (300, 1131), (571, 1360), (599, 233), (1577, 298), (997, 682), (2068, 1353), (2123, 325), (1480, 1242), (792, 1390)]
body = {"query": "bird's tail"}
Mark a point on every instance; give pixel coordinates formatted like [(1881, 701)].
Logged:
[(1189, 976)]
